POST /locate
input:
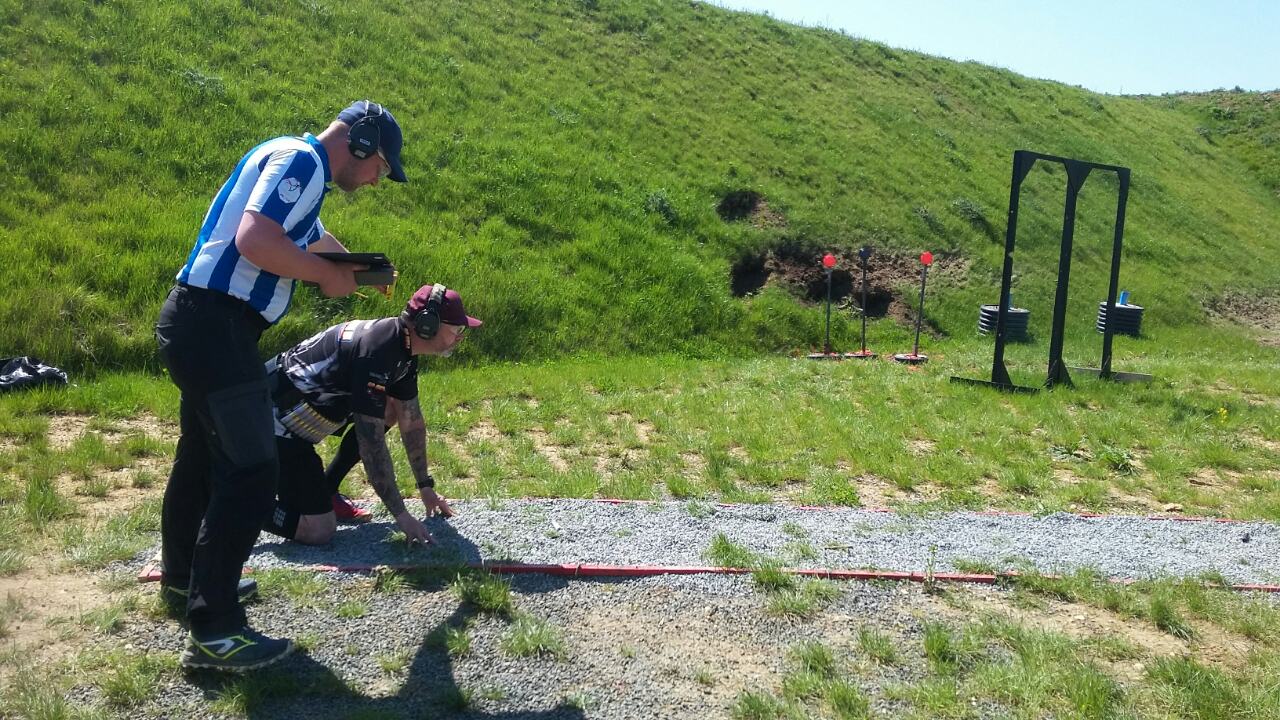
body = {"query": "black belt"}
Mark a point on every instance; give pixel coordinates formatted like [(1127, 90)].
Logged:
[(228, 301)]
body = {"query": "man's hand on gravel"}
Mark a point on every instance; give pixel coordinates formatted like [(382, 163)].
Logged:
[(413, 529), (435, 504)]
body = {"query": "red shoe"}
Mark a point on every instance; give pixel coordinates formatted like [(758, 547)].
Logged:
[(347, 511)]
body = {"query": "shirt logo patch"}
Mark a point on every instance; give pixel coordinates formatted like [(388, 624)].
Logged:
[(290, 190)]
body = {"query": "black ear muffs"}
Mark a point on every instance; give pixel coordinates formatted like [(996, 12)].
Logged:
[(427, 322), (365, 136)]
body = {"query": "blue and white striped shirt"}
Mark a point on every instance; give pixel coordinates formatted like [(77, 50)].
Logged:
[(284, 179)]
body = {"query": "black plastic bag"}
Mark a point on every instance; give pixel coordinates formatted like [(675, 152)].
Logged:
[(28, 372)]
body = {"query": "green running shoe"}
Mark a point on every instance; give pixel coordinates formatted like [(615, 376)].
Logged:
[(246, 649)]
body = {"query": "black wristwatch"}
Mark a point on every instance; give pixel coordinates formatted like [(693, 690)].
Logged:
[(427, 482)]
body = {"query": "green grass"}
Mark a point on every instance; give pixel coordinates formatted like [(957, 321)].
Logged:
[(110, 619), (787, 594), (242, 695), (770, 578), (793, 425), (129, 679), (529, 636), (10, 610), (43, 503), (458, 641), (1165, 616), (352, 608), (755, 705), (814, 679), (393, 663), (847, 701), (302, 588), (803, 600), (1029, 672), (11, 562), (814, 657), (31, 694), (1193, 690), (390, 582), (1166, 603), (794, 428), (568, 159), (488, 593), (454, 698), (726, 553), (119, 538), (878, 646), (542, 142)]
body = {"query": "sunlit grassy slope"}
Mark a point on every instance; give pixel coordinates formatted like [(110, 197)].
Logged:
[(566, 160)]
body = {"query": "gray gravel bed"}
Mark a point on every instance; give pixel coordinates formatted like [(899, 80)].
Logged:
[(679, 533), (663, 647), (657, 647)]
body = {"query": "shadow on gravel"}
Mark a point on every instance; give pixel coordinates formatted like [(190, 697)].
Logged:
[(303, 687)]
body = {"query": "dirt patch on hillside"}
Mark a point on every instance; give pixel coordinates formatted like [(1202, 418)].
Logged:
[(749, 205), (893, 279), (117, 495), (483, 431), (548, 449), (1084, 622), (692, 653), (1257, 311), (50, 604), (50, 598), (64, 430)]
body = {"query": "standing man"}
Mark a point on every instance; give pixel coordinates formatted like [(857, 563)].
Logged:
[(257, 238), (363, 372)]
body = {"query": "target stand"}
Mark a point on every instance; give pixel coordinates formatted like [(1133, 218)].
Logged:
[(828, 265), (915, 357), (1077, 172)]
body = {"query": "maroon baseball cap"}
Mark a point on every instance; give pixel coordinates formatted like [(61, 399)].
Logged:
[(451, 310)]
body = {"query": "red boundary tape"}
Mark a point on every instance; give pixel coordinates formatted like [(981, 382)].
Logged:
[(151, 573)]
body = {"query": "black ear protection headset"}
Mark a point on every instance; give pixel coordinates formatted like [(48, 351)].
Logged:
[(427, 322), (364, 137)]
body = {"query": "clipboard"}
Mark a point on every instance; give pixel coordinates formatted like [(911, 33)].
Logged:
[(380, 272)]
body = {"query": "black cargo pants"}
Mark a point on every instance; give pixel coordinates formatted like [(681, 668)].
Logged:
[(223, 482)]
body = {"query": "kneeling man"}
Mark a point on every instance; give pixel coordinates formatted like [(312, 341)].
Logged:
[(355, 372)]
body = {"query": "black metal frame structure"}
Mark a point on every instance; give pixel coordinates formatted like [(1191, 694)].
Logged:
[(1077, 172)]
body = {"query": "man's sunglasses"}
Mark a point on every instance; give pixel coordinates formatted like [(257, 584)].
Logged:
[(384, 169)]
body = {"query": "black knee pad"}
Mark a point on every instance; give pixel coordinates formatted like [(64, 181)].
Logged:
[(282, 522), (242, 421)]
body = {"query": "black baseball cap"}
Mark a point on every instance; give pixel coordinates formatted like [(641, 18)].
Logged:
[(390, 140)]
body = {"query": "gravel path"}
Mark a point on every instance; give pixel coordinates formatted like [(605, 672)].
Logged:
[(657, 647), (674, 533), (660, 647)]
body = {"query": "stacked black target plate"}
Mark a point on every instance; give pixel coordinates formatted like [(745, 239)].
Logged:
[(1128, 319), (1015, 323)]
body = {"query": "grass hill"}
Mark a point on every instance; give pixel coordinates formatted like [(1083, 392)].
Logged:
[(596, 176), (650, 185)]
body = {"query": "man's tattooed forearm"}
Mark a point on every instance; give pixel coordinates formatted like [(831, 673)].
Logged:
[(371, 437), (413, 433)]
